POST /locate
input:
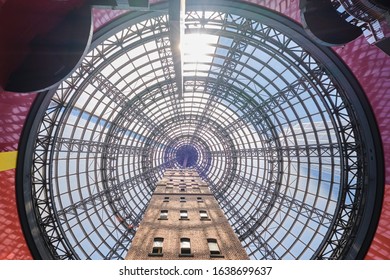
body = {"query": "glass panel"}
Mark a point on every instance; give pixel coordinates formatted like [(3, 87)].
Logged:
[(164, 214), (183, 214), (213, 247), (203, 214), (157, 245), (158, 242), (185, 246)]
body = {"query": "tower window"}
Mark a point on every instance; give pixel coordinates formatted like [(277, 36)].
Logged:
[(203, 215), (166, 199), (182, 189), (163, 215), (157, 249), (185, 247), (196, 190), (182, 199), (199, 199), (183, 215), (214, 248)]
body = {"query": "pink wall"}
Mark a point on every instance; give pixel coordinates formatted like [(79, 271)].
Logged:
[(13, 112), (14, 108), (380, 247), (12, 243)]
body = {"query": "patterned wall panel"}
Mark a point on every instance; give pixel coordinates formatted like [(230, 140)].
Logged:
[(12, 242)]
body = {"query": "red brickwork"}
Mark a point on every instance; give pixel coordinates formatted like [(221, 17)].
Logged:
[(186, 191)]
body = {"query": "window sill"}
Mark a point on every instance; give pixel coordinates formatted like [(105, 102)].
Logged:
[(184, 219), (217, 256), (162, 219), (155, 254), (186, 255), (205, 219)]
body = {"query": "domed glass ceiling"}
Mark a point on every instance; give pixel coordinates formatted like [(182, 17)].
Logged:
[(274, 124)]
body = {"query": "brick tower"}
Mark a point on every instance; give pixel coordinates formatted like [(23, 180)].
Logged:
[(184, 221)]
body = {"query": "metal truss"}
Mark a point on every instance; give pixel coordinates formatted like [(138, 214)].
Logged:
[(363, 17), (288, 151), (283, 135), (84, 146)]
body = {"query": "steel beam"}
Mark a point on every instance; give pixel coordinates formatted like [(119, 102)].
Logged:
[(87, 146), (176, 35)]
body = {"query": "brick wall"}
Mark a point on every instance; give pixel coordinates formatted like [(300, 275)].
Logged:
[(197, 197)]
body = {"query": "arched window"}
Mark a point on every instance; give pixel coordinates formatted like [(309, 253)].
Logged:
[(203, 215), (157, 246), (213, 247), (185, 246), (183, 215), (164, 215)]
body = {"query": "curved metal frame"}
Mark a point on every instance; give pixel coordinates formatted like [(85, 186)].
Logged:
[(274, 119)]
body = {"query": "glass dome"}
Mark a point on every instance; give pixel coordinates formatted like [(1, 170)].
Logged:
[(275, 125)]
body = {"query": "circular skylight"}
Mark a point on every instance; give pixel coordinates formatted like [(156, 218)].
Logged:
[(275, 125), (187, 156)]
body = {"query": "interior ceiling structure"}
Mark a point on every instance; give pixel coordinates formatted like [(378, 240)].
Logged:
[(276, 125)]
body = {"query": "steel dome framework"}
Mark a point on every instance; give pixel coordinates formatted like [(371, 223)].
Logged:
[(276, 125)]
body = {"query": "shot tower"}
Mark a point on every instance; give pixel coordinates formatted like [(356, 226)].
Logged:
[(184, 221)]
